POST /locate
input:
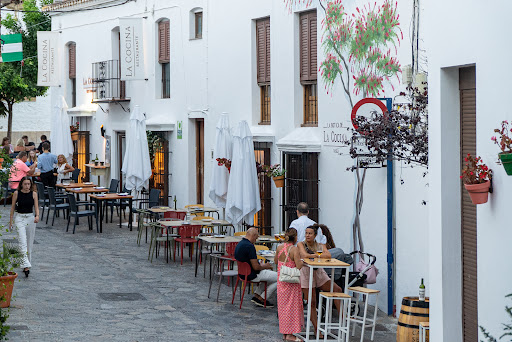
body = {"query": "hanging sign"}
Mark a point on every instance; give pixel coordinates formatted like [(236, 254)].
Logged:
[(132, 50), (47, 58), (180, 130)]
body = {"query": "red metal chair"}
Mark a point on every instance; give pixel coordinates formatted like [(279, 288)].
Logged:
[(180, 215), (187, 235), (244, 269)]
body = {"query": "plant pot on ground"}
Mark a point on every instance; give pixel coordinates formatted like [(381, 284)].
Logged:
[(504, 141), (475, 176), (9, 259)]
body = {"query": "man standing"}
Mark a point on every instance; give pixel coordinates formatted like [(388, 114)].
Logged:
[(246, 252), (19, 170), (46, 162), (303, 221), (43, 140), (29, 144)]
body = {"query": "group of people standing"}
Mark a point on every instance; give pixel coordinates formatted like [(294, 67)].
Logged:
[(25, 204), (303, 239)]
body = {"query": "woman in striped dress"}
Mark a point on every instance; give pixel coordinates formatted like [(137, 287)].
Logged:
[(289, 296)]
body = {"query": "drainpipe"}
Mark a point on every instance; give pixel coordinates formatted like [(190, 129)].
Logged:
[(390, 210)]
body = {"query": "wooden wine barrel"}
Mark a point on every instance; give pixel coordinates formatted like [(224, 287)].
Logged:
[(411, 314)]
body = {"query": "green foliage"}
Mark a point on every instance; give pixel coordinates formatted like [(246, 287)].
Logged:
[(154, 141), (18, 80), (4, 328), (507, 330), (10, 258)]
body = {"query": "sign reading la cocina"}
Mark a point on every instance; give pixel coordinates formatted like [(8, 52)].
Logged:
[(132, 49), (47, 58)]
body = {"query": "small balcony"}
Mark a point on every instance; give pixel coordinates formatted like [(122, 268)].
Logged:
[(107, 84)]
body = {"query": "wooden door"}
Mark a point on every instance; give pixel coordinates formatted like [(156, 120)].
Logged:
[(467, 87), (199, 161)]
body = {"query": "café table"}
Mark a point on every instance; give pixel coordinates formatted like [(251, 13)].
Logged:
[(99, 198), (313, 263), (203, 210), (86, 190), (76, 185)]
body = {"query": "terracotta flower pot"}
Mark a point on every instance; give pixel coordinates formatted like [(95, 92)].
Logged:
[(74, 136), (6, 285), (479, 193), (278, 181), (506, 160)]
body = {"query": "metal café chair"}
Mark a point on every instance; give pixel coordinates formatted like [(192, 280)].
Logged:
[(55, 205), (89, 212)]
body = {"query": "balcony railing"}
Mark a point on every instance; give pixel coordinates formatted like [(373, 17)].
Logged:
[(108, 86)]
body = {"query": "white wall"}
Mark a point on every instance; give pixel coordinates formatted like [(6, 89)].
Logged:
[(454, 41), (30, 116)]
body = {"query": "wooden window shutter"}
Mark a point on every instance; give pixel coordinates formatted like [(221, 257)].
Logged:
[(308, 46), (167, 41), (163, 42), (263, 50), (72, 60)]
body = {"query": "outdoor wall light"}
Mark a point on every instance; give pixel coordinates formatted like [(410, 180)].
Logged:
[(102, 131)]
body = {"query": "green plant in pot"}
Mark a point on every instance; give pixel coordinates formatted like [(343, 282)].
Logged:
[(10, 258), (504, 141), (476, 178), (276, 172)]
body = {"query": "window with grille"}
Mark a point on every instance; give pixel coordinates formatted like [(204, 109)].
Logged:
[(263, 67), (308, 66), (164, 57), (301, 185), (263, 217), (198, 24)]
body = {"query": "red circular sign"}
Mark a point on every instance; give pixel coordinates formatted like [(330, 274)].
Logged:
[(368, 100)]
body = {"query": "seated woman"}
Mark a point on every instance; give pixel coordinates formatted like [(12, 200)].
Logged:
[(321, 280), (6, 145), (32, 158), (63, 169), (20, 146)]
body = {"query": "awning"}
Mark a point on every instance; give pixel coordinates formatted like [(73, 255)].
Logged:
[(159, 123), (262, 133), (303, 139), (88, 109)]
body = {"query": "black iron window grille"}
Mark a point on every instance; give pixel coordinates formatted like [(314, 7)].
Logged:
[(301, 185), (107, 81)]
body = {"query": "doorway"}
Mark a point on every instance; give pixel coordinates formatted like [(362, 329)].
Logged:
[(467, 88), (121, 149), (199, 161), (81, 154), (263, 217)]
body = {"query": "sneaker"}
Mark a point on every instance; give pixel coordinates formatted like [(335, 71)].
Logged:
[(261, 303)]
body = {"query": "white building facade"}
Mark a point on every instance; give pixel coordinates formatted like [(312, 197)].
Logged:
[(213, 69), (464, 65)]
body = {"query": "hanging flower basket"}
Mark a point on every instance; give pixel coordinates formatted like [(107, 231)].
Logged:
[(278, 181), (74, 136), (506, 160), (479, 193)]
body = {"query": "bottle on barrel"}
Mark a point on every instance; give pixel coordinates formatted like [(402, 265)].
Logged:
[(422, 291)]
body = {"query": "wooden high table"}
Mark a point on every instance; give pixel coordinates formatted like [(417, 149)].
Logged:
[(111, 197), (321, 263), (98, 170), (75, 185)]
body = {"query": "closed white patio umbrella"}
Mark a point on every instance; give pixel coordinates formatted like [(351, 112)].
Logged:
[(136, 164), (220, 174), (243, 199), (60, 136)]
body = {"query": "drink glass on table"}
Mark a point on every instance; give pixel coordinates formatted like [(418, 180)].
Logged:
[(319, 251), (277, 237)]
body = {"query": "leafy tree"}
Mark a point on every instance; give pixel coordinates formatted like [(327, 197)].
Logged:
[(18, 80)]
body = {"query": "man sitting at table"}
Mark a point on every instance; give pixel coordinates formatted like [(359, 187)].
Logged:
[(303, 221), (19, 170), (246, 252)]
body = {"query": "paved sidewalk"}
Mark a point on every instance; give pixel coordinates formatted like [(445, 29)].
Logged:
[(101, 287)]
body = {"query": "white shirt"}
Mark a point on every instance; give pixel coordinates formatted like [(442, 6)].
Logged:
[(301, 224)]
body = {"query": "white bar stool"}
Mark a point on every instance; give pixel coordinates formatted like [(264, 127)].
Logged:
[(424, 326), (365, 294), (343, 325)]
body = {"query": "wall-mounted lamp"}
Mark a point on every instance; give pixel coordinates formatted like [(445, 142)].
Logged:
[(102, 131)]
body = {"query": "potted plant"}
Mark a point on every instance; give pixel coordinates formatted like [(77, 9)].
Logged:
[(505, 143), (74, 131), (276, 173), (475, 176), (224, 161), (10, 258)]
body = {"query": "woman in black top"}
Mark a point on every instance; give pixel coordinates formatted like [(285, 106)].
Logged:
[(24, 201)]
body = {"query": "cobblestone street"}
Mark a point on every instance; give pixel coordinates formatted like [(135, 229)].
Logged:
[(101, 287)]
